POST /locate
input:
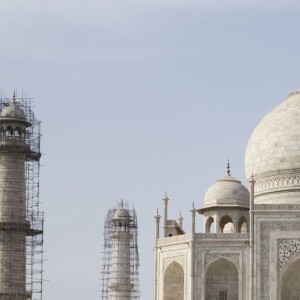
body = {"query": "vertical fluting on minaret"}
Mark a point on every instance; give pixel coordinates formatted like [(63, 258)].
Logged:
[(15, 150), (120, 283)]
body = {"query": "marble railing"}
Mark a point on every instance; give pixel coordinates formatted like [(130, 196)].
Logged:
[(185, 238)]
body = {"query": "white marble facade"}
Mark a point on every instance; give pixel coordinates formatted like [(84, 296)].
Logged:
[(250, 248)]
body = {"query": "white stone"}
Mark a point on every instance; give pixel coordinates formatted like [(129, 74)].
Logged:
[(227, 192), (234, 262), (275, 142)]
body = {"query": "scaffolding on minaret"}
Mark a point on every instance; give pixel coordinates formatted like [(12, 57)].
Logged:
[(109, 258), (21, 228)]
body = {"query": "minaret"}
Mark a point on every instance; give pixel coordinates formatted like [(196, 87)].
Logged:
[(193, 254), (120, 284), (15, 150), (157, 221), (165, 200)]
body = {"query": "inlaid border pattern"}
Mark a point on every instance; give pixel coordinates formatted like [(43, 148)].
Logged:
[(266, 228), (271, 207)]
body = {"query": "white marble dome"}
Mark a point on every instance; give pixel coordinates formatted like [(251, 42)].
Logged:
[(273, 155), (13, 111), (275, 142), (227, 192), (121, 214)]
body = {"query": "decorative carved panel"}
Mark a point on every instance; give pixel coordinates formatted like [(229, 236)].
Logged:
[(232, 257), (287, 250), (277, 180), (222, 236), (178, 259)]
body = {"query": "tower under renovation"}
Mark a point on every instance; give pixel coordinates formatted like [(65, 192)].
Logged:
[(21, 221), (120, 260)]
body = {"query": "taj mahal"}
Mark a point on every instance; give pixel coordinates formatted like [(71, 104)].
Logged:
[(250, 248)]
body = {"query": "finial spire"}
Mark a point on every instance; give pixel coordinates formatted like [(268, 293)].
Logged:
[(228, 168), (14, 97), (180, 220), (122, 203)]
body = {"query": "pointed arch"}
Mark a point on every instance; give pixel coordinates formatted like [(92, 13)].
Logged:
[(221, 280), (289, 285), (18, 133), (243, 225), (9, 132), (226, 221), (208, 224), (174, 282)]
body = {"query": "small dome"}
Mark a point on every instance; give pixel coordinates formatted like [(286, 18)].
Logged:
[(275, 142), (121, 214), (227, 192), (13, 111)]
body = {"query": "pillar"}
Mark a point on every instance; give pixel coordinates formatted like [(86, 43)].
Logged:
[(166, 200), (157, 221), (193, 256), (251, 260), (180, 221), (218, 229)]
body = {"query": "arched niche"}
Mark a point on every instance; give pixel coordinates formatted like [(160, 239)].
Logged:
[(174, 282), (243, 225), (18, 133), (289, 286), (9, 132), (226, 224), (208, 225), (222, 280)]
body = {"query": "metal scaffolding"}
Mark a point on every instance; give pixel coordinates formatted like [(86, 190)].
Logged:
[(20, 155), (107, 259)]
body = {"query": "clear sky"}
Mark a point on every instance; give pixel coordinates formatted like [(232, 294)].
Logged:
[(137, 98)]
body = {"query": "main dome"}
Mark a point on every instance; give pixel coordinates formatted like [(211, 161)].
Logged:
[(275, 142), (273, 155), (227, 192)]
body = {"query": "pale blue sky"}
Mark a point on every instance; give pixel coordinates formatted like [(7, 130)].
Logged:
[(137, 98)]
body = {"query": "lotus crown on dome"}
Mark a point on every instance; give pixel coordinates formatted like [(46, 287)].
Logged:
[(229, 178)]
